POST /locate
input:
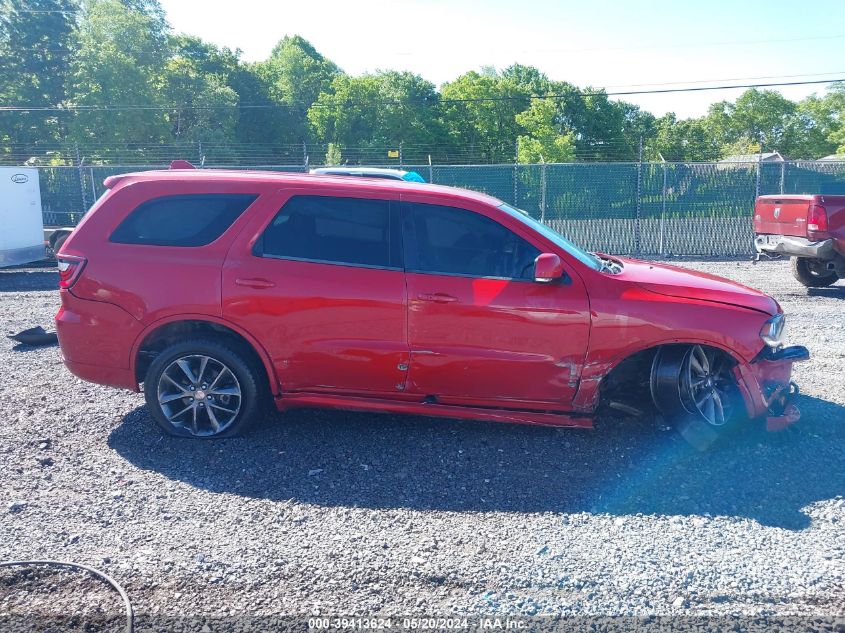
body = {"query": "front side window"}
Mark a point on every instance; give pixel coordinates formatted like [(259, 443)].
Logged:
[(327, 229), (576, 251), (451, 241), (191, 220)]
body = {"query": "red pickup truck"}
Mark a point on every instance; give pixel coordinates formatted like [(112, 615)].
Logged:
[(808, 228)]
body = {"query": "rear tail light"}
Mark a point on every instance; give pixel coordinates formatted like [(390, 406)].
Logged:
[(70, 267), (817, 219)]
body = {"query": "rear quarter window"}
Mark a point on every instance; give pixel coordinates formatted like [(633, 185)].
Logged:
[(190, 220)]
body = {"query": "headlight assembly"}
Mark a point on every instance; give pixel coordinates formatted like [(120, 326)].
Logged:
[(772, 331)]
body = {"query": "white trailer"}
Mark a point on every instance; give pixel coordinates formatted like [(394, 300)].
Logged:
[(21, 224)]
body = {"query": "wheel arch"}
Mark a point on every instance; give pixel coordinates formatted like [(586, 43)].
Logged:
[(590, 389), (166, 330)]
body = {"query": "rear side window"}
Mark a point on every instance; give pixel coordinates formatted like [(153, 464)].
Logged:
[(194, 220), (333, 230), (451, 241)]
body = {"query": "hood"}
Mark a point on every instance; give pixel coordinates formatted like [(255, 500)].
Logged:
[(689, 284)]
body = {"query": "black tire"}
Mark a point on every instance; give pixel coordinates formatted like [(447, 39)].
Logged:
[(59, 242), (810, 272), (683, 398), (245, 378)]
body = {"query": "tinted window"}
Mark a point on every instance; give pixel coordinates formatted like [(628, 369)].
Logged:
[(579, 253), (353, 231), (454, 241), (181, 220)]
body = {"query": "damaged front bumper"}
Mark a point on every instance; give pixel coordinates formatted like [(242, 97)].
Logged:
[(767, 388)]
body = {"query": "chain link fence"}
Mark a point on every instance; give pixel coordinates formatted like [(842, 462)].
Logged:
[(661, 209)]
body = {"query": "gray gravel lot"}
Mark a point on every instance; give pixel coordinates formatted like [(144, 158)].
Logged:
[(348, 513)]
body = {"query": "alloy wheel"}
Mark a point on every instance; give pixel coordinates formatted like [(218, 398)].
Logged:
[(707, 385), (200, 395)]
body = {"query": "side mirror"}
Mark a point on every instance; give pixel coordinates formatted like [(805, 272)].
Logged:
[(547, 268)]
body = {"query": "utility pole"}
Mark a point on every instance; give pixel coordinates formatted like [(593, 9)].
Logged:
[(515, 171), (543, 189), (83, 190), (663, 206), (639, 196)]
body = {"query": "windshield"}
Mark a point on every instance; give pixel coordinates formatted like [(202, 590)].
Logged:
[(576, 251)]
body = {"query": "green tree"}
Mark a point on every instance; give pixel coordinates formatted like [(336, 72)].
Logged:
[(601, 129), (378, 111), (825, 126), (479, 112), (526, 79), (195, 84), (37, 40), (204, 56), (203, 105), (546, 139), (818, 121), (157, 16), (348, 113), (130, 82), (260, 120), (598, 124), (333, 154), (117, 71), (685, 140), (409, 110), (636, 125), (295, 75), (762, 116)]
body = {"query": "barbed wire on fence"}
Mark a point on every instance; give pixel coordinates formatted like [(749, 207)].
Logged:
[(248, 154), (684, 209)]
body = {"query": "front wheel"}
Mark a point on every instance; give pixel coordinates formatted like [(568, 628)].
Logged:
[(813, 273), (694, 387), (202, 389)]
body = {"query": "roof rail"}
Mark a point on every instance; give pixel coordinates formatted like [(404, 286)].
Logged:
[(181, 164)]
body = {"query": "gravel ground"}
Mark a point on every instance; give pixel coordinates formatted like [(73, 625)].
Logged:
[(346, 513)]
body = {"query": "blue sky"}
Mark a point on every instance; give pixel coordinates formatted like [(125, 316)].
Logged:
[(609, 43)]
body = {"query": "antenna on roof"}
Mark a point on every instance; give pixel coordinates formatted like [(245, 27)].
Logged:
[(181, 164)]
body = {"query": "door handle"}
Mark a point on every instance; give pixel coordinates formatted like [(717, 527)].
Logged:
[(257, 283), (437, 297)]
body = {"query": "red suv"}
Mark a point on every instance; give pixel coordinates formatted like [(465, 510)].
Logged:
[(221, 290)]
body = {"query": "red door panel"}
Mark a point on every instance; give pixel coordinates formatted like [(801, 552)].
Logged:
[(327, 327), (495, 340)]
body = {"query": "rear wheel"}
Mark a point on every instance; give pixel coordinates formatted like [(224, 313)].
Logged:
[(694, 387), (202, 389), (813, 273)]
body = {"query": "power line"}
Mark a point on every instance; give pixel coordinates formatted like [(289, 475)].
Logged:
[(704, 81), (45, 11), (744, 42), (638, 85), (689, 44), (111, 108), (704, 88)]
